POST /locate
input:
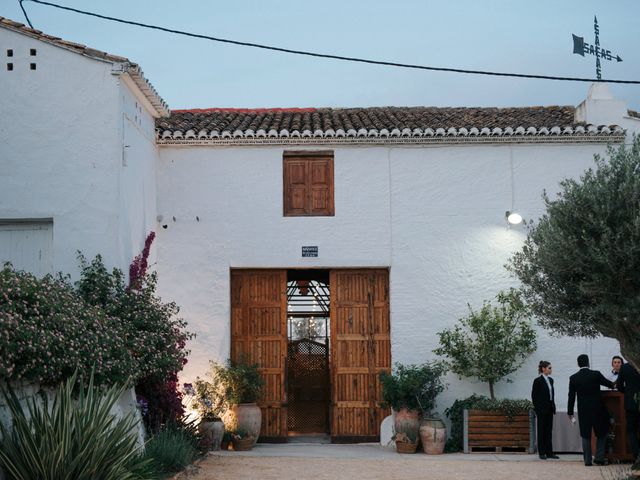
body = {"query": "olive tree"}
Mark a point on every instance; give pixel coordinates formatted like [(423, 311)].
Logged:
[(580, 263), (491, 343)]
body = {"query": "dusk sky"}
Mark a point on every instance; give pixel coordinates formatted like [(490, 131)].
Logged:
[(532, 37)]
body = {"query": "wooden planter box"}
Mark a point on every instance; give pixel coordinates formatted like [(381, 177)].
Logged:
[(492, 432)]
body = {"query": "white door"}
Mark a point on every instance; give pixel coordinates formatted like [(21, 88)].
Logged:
[(28, 245)]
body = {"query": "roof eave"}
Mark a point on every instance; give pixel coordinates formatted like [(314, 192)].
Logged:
[(121, 64), (133, 72)]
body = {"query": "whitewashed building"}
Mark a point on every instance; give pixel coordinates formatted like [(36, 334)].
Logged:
[(351, 236)]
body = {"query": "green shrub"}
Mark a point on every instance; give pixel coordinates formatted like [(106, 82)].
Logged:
[(170, 450), (234, 383), (155, 336), (414, 387), (188, 430), (75, 436), (47, 331), (455, 413)]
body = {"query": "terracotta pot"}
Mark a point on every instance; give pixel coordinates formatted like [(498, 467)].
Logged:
[(406, 447), (242, 444), (211, 433), (246, 417), (433, 434), (407, 421)]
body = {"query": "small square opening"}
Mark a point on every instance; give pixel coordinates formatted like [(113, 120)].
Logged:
[(9, 52), (32, 66), (32, 52), (9, 66)]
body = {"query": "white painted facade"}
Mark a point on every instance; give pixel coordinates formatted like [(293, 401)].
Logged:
[(434, 215), (77, 166), (77, 146)]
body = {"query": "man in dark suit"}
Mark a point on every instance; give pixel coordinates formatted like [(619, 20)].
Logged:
[(543, 398), (593, 415), (629, 383)]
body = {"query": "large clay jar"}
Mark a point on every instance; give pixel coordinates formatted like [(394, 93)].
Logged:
[(433, 434), (245, 416), (212, 433), (407, 421)]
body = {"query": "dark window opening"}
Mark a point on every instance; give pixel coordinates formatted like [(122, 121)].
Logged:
[(9, 52), (32, 52), (9, 66), (32, 66)]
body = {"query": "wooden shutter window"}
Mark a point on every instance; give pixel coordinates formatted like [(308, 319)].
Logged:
[(308, 185)]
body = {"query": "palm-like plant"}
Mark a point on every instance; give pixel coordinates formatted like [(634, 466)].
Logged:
[(74, 436)]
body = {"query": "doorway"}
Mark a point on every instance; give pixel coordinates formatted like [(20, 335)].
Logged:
[(307, 365), (320, 355)]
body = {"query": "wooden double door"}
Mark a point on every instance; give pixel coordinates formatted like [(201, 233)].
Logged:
[(359, 350)]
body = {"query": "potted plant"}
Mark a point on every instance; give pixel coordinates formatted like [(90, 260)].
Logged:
[(236, 387), (491, 344), (411, 390), (242, 440), (211, 427)]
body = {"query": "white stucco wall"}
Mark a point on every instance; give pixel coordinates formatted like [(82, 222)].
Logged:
[(434, 215), (137, 175), (62, 133)]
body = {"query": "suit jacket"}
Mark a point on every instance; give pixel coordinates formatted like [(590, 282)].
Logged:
[(593, 415), (543, 402), (629, 383)]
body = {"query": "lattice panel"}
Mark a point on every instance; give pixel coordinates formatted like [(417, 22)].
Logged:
[(308, 392)]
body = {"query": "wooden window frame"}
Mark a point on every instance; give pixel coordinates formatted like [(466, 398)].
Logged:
[(307, 158)]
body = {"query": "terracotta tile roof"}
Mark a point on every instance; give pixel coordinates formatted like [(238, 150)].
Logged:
[(127, 66), (215, 125)]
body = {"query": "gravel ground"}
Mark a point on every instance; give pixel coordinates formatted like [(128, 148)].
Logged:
[(378, 464)]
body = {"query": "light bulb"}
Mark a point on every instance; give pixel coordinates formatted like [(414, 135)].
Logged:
[(514, 218)]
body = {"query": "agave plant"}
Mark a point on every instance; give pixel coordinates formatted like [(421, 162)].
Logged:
[(75, 436)]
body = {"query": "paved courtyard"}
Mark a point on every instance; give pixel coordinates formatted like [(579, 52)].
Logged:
[(372, 462)]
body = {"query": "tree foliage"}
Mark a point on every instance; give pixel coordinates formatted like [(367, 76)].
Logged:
[(580, 264), (491, 343)]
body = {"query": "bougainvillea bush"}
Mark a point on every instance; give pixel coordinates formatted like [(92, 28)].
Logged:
[(124, 332), (157, 336), (47, 330)]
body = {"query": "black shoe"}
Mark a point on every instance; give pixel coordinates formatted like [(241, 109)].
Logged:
[(555, 457), (588, 464), (600, 462), (542, 457)]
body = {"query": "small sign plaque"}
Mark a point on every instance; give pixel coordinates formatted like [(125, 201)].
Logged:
[(310, 251)]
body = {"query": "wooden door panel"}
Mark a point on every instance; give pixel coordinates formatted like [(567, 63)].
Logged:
[(361, 349), (353, 387), (351, 320), (267, 354), (351, 354), (265, 321), (352, 290), (258, 326), (273, 419)]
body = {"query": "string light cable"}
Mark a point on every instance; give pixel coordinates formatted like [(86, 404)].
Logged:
[(323, 55)]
